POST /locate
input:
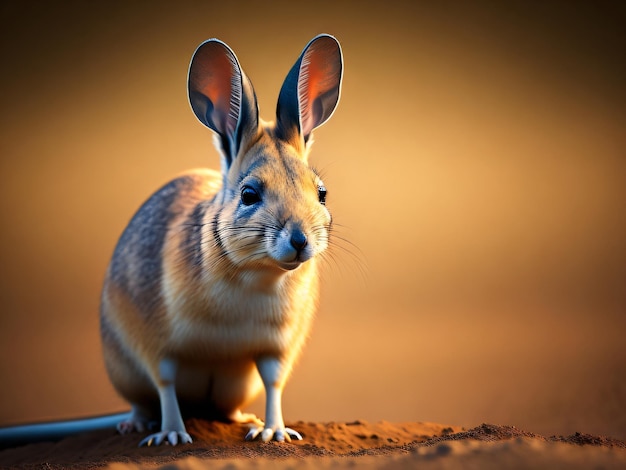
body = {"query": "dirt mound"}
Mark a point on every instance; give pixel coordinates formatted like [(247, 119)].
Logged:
[(336, 445)]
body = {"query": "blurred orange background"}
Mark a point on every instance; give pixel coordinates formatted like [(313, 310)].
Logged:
[(477, 161)]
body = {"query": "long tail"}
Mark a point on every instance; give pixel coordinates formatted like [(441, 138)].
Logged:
[(13, 436)]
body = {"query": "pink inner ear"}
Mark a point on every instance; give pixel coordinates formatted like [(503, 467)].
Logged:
[(214, 75), (320, 72)]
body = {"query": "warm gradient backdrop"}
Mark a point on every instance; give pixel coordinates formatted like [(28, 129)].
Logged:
[(477, 160)]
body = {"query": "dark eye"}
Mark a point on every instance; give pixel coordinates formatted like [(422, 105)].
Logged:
[(249, 196), (321, 194)]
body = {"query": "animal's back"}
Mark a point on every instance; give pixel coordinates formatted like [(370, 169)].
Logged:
[(133, 314), (137, 263)]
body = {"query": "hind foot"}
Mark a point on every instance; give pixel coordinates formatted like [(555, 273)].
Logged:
[(136, 421)]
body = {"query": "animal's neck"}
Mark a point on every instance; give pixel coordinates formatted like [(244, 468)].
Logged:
[(266, 279)]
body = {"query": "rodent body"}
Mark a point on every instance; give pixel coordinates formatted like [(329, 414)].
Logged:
[(212, 288), (212, 321)]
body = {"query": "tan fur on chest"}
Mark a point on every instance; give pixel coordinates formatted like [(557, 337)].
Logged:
[(242, 316), (225, 314)]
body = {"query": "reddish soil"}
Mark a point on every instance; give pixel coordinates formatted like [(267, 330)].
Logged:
[(325, 445)]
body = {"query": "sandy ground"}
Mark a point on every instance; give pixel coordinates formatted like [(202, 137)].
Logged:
[(380, 445)]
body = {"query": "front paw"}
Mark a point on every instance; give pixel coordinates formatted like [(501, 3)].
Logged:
[(280, 434), (167, 437)]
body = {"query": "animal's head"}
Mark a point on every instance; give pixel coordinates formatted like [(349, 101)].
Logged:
[(273, 210)]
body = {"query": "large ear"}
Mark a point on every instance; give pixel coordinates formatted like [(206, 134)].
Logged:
[(311, 90), (222, 97)]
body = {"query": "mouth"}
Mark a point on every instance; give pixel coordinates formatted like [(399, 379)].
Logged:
[(288, 266)]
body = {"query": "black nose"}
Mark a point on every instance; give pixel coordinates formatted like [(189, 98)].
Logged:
[(298, 239)]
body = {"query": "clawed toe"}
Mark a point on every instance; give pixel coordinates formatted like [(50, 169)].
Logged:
[(166, 437), (293, 434), (268, 434)]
